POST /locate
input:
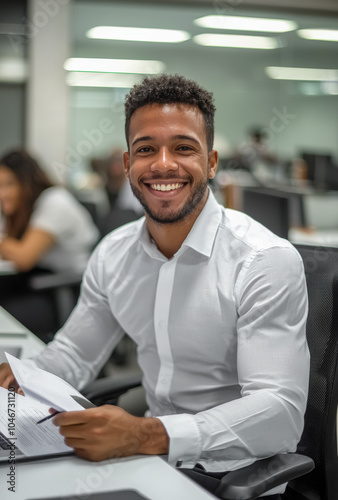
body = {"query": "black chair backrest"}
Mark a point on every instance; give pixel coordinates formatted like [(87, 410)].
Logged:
[(115, 218), (319, 439)]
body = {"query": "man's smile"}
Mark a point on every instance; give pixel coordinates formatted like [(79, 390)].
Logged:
[(166, 187)]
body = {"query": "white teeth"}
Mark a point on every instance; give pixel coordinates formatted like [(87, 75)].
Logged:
[(165, 187)]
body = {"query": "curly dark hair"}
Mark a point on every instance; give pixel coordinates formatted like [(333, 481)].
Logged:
[(171, 89)]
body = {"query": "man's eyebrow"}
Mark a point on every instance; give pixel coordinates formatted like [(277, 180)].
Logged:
[(144, 138), (178, 136), (187, 137)]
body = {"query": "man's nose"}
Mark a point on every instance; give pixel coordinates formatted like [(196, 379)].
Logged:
[(164, 160)]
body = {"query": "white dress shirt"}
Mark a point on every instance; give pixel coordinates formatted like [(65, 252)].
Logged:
[(220, 334)]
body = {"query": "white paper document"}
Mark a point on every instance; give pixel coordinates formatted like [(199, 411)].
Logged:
[(46, 387), (28, 436), (19, 415)]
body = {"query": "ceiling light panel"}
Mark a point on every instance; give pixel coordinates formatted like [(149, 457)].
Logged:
[(323, 35), (138, 34), (246, 23), (146, 67), (306, 74), (13, 70), (236, 41), (79, 79)]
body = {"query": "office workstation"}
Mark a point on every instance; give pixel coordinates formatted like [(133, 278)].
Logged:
[(189, 325), (147, 476)]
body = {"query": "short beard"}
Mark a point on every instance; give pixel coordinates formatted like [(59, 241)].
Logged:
[(174, 216)]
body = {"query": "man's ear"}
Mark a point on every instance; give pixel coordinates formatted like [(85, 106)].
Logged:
[(213, 162), (126, 163)]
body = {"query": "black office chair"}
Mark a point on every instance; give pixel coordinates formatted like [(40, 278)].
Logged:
[(319, 439), (318, 444), (115, 218), (41, 301)]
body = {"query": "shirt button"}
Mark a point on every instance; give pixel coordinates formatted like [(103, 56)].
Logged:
[(164, 381), (161, 323)]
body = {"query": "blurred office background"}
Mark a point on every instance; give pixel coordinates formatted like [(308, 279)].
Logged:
[(64, 107), (272, 65)]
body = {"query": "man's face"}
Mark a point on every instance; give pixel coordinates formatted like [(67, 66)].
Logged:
[(168, 164)]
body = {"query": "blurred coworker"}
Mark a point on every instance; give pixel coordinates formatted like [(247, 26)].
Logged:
[(42, 225), (118, 189), (255, 151)]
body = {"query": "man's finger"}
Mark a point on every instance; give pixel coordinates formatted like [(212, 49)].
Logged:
[(78, 431), (71, 418), (74, 443)]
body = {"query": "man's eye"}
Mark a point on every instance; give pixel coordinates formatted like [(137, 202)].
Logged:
[(185, 148), (144, 150)]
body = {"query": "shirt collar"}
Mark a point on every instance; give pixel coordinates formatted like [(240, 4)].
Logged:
[(202, 234)]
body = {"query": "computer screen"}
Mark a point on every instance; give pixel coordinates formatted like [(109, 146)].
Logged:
[(269, 208), (319, 169)]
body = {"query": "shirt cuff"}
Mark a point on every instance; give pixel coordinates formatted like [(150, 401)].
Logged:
[(185, 441)]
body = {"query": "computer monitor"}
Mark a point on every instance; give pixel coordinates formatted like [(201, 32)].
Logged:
[(270, 208), (317, 168)]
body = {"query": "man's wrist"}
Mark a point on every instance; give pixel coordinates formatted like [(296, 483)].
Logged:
[(153, 437)]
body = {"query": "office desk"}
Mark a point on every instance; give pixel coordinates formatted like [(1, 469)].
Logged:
[(13, 334), (72, 476), (316, 237)]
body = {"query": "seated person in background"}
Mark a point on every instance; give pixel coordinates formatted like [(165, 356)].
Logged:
[(42, 225), (255, 150), (254, 156), (216, 304), (118, 189)]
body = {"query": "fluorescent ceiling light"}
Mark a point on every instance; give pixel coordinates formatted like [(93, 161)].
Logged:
[(330, 88), (239, 41), (324, 35), (145, 67), (13, 70), (246, 23), (138, 34), (79, 79), (308, 74)]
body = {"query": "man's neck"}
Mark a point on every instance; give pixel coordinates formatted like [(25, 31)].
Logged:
[(169, 237)]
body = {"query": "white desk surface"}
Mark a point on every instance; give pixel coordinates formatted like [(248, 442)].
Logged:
[(72, 476), (316, 237)]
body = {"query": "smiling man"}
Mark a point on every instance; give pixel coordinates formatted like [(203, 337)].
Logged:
[(215, 302)]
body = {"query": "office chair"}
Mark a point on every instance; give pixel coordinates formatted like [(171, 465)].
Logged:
[(318, 444), (41, 301), (115, 218), (319, 439)]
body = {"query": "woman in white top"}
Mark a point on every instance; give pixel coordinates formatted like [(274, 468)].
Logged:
[(42, 225)]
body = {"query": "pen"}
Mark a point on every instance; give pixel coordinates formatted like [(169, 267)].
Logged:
[(47, 418)]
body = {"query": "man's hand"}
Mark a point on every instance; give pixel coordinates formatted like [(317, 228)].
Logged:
[(110, 432), (7, 378)]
